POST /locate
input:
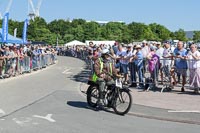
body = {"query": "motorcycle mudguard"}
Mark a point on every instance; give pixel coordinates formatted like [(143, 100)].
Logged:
[(91, 82)]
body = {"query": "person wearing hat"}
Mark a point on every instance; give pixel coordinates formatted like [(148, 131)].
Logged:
[(137, 66), (126, 62), (153, 64), (102, 67), (145, 50)]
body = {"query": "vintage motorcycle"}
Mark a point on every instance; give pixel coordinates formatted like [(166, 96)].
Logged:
[(116, 96)]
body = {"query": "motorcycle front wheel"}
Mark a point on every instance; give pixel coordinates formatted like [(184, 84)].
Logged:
[(123, 102)]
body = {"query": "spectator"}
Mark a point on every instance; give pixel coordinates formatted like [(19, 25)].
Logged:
[(167, 62), (119, 56), (145, 50), (153, 64), (8, 60), (159, 53), (1, 60), (180, 63), (137, 66), (194, 67), (115, 47), (126, 59)]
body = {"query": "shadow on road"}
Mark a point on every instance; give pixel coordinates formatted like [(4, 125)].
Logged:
[(79, 104), (81, 76), (84, 105)]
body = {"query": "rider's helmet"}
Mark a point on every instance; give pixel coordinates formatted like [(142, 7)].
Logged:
[(105, 52)]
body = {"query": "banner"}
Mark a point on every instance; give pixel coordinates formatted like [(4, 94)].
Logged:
[(24, 31), (5, 28)]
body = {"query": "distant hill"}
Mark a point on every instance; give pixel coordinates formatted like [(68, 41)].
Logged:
[(189, 34)]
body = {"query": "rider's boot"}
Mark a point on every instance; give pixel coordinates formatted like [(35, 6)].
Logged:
[(100, 102)]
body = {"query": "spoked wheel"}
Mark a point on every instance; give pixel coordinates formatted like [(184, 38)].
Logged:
[(92, 96), (123, 102)]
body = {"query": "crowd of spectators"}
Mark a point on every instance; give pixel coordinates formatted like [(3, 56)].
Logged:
[(162, 61), (16, 60)]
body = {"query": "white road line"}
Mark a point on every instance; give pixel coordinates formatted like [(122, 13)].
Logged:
[(183, 111), (65, 71), (22, 122), (48, 117), (2, 112), (35, 123)]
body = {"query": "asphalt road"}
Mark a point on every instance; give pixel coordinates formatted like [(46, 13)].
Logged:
[(49, 101)]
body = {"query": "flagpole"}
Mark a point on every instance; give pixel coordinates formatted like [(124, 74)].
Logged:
[(57, 40)]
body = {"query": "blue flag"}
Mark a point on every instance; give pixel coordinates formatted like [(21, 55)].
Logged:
[(5, 28), (24, 31)]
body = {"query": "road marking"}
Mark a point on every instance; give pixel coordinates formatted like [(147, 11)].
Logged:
[(48, 117), (67, 71), (183, 111), (22, 122), (35, 123), (2, 112)]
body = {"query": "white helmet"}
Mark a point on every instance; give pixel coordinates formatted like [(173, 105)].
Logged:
[(105, 51)]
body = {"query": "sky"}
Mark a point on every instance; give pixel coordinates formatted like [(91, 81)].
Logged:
[(173, 14)]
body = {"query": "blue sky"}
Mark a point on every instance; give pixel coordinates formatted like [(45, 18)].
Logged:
[(173, 14)]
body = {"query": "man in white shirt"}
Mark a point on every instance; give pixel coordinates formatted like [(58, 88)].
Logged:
[(159, 53), (119, 56), (167, 60), (145, 51)]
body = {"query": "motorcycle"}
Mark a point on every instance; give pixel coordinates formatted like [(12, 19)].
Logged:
[(116, 96)]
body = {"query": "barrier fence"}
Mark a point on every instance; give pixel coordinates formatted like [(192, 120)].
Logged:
[(163, 74), (13, 66)]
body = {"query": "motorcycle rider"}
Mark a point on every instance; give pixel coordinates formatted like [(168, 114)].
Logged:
[(104, 68)]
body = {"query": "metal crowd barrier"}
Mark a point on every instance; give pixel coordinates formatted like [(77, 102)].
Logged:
[(170, 75), (19, 65), (151, 79)]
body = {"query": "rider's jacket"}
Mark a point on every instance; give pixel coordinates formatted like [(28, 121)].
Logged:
[(103, 66)]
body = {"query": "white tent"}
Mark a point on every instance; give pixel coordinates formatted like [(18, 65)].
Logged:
[(100, 42), (74, 43)]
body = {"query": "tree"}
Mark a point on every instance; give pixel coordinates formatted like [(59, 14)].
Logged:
[(126, 38), (68, 37), (78, 33), (112, 31), (140, 31), (92, 31), (180, 35), (79, 29), (196, 36), (161, 32)]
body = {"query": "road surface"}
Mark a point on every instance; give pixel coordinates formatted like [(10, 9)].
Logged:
[(49, 101)]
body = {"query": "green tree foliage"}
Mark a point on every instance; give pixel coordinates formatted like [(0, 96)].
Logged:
[(196, 36), (161, 32), (79, 29), (92, 31), (180, 35)]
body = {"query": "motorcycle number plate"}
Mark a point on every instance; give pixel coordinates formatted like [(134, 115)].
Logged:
[(118, 83)]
